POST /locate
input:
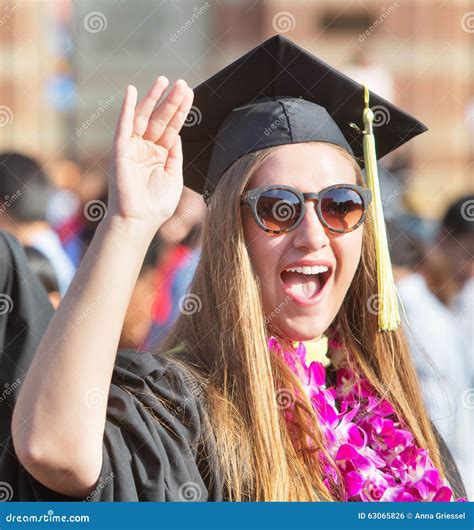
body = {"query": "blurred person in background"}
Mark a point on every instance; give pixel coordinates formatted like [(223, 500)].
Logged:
[(44, 270), (65, 175), (84, 187), (436, 271), (437, 347), (24, 215), (450, 273), (25, 312), (180, 239), (456, 240), (138, 318)]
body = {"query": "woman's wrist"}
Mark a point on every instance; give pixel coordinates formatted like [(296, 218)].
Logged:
[(130, 232)]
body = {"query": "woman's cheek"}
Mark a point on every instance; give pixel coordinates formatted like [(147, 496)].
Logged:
[(263, 255), (255, 246), (348, 253)]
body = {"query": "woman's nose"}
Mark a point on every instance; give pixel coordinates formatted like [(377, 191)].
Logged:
[(311, 233)]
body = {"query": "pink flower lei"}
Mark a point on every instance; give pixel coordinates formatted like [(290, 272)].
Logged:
[(376, 455)]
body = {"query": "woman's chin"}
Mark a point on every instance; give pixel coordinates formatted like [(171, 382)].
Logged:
[(300, 329)]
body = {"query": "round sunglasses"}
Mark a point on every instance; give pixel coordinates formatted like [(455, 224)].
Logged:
[(277, 209)]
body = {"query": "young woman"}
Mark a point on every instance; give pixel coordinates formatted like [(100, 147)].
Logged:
[(232, 408)]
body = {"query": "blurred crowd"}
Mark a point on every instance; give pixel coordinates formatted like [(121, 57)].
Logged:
[(54, 217), (53, 213)]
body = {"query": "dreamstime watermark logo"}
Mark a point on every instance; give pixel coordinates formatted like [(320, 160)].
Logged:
[(198, 11), (373, 491), (189, 304), (9, 389), (281, 306), (465, 312), (103, 106), (464, 124), (95, 210), (386, 12), (6, 115), (175, 222), (374, 303), (95, 398), (6, 492), (467, 210), (90, 308), (195, 392), (9, 13), (189, 492), (194, 117), (283, 22), (381, 115), (284, 398), (362, 414), (206, 197), (193, 385), (283, 210), (468, 399), (8, 200), (387, 200), (48, 517), (95, 21), (6, 304), (101, 484), (467, 22)]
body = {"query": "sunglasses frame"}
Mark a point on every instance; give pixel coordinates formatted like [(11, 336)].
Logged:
[(251, 197)]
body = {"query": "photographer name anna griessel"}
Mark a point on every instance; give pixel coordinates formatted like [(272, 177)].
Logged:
[(440, 515)]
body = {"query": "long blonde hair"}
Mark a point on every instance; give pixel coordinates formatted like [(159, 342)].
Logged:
[(257, 455)]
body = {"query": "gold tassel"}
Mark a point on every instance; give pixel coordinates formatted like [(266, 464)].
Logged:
[(387, 303)]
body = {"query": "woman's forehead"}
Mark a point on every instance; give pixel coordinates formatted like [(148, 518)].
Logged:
[(310, 166)]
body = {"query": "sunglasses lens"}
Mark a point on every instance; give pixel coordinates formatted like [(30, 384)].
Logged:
[(342, 209), (278, 209)]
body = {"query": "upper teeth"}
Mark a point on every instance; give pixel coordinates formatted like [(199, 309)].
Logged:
[(316, 269)]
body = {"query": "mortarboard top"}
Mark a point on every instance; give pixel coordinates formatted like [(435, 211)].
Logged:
[(278, 94)]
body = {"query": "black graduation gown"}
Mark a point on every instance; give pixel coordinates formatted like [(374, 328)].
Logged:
[(25, 312), (153, 444)]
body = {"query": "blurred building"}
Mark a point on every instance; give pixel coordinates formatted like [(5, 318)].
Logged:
[(32, 63), (65, 64)]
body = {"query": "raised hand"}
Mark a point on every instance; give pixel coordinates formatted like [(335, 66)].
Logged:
[(145, 188), (147, 164)]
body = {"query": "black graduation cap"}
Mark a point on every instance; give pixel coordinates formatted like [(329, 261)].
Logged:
[(278, 94)]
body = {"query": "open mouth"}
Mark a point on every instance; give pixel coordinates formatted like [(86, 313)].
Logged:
[(306, 282)]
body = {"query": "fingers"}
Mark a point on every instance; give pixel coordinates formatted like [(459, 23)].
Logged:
[(147, 104), (125, 123), (162, 115), (168, 138), (174, 161)]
